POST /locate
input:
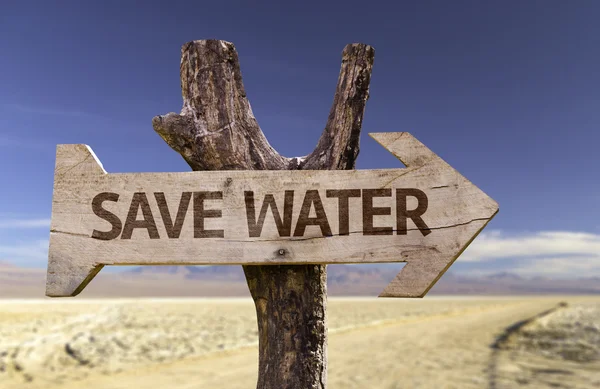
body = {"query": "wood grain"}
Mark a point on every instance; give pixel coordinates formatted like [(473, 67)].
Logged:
[(206, 217), (216, 130)]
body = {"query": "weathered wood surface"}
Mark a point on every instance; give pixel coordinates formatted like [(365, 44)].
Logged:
[(225, 135), (320, 216), (216, 130)]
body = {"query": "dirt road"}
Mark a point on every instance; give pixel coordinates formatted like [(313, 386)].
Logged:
[(450, 350)]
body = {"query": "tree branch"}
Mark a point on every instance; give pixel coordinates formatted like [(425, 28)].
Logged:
[(216, 130), (338, 146)]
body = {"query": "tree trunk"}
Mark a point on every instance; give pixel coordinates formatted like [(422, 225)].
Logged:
[(216, 130)]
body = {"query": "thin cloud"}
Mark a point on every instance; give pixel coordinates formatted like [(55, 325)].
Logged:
[(6, 141), (47, 111), (555, 253), (25, 253), (496, 245), (561, 267), (25, 223)]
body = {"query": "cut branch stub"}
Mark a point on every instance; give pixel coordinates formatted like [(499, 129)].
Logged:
[(216, 129)]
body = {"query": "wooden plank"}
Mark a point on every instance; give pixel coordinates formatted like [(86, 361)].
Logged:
[(425, 214)]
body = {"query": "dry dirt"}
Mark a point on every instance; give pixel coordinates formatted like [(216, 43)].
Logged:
[(435, 342)]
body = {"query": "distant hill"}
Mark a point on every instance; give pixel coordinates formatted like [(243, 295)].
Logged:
[(370, 280), (209, 273), (227, 281)]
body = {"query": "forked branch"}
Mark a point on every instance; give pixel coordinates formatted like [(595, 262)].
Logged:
[(216, 130)]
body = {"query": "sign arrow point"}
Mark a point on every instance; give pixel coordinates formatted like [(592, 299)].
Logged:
[(422, 271)]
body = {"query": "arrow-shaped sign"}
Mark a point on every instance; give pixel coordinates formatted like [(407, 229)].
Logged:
[(425, 215)]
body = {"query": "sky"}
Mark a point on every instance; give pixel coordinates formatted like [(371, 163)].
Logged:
[(507, 92)]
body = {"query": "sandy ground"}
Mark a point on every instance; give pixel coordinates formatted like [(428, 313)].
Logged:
[(438, 342)]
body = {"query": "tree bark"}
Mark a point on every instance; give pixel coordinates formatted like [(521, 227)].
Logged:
[(216, 130)]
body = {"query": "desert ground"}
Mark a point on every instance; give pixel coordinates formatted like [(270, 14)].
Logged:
[(435, 342)]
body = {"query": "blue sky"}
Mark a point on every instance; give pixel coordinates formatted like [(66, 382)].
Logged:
[(507, 92)]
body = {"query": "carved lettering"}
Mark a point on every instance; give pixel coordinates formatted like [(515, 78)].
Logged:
[(312, 198), (255, 223), (415, 215), (369, 211), (139, 201), (200, 214), (106, 215), (284, 227), (343, 196), (173, 229)]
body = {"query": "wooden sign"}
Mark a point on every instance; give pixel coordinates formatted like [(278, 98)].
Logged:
[(425, 215)]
